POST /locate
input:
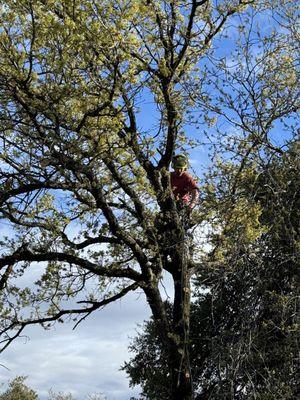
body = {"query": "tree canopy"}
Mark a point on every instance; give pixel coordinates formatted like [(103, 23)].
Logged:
[(85, 159), (17, 390)]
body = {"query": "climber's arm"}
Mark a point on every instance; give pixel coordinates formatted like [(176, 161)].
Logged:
[(194, 197)]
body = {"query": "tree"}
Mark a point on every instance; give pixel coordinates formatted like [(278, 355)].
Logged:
[(68, 396), (244, 325), (60, 396), (17, 390), (83, 183)]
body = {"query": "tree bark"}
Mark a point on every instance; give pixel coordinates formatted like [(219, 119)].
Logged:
[(176, 258), (182, 388), (174, 333)]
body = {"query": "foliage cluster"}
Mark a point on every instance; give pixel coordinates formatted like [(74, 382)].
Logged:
[(18, 390)]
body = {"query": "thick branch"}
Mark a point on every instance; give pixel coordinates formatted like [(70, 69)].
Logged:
[(188, 34), (88, 310), (28, 188), (24, 254)]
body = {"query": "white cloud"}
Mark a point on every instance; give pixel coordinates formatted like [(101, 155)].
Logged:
[(83, 361)]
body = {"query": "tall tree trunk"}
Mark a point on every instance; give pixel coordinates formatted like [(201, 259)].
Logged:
[(180, 363), (174, 332)]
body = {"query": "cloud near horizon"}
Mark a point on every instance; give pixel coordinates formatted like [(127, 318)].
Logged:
[(84, 361)]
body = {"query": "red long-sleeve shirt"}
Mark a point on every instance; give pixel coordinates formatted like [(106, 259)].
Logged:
[(182, 185)]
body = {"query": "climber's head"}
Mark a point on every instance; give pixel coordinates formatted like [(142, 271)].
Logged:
[(179, 163)]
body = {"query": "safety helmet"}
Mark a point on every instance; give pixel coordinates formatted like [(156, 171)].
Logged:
[(179, 161)]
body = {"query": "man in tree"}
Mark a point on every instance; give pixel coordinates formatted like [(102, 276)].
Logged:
[(184, 187)]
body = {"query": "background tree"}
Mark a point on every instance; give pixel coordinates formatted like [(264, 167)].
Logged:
[(60, 396), (68, 396), (83, 181), (17, 390)]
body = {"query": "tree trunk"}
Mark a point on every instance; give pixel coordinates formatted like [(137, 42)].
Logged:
[(179, 359), (174, 333)]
